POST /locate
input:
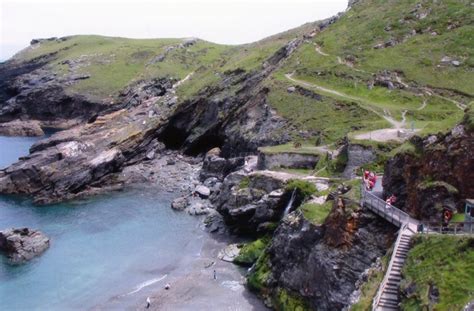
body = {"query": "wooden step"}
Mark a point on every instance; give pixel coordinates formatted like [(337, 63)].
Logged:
[(389, 305), (391, 291), (403, 247), (386, 308), (392, 288)]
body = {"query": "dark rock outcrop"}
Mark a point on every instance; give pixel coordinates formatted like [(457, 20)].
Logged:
[(21, 245), (435, 176), (249, 203), (41, 95), (322, 264)]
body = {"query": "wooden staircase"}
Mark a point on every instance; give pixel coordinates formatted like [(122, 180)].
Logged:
[(387, 297), (388, 294)]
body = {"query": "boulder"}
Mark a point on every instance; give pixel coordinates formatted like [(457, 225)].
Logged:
[(215, 166), (229, 253), (214, 222), (150, 155), (446, 60), (202, 191), (197, 208), (179, 204), (214, 152), (23, 244)]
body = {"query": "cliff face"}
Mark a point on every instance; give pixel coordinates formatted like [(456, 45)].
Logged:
[(88, 156), (321, 264), (234, 115), (436, 175), (29, 91)]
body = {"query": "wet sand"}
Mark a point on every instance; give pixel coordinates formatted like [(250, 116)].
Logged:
[(192, 283), (198, 290)]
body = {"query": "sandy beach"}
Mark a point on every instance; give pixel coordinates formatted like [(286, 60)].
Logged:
[(196, 289)]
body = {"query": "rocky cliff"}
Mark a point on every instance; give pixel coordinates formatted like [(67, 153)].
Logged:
[(317, 267), (31, 91), (434, 173), (232, 115)]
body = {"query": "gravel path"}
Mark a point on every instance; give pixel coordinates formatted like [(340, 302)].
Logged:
[(397, 132)]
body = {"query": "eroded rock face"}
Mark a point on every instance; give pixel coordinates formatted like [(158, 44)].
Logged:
[(357, 155), (40, 95), (21, 245), (236, 123), (88, 157), (322, 264), (435, 176), (287, 160)]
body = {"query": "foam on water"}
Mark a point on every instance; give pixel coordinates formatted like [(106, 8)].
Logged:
[(145, 284)]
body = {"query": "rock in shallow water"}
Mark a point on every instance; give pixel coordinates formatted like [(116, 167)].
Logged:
[(179, 204), (23, 244), (21, 128)]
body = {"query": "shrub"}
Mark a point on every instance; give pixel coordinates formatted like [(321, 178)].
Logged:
[(304, 188), (250, 252)]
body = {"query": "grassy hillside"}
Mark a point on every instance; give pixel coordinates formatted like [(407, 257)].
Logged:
[(424, 47), (439, 273), (113, 63), (346, 57)]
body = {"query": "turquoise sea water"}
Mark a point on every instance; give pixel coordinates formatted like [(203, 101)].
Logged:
[(103, 249)]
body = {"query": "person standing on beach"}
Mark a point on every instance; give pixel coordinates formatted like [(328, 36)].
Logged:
[(215, 275), (148, 302)]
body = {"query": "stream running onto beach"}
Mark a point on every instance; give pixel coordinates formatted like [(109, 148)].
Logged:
[(108, 247)]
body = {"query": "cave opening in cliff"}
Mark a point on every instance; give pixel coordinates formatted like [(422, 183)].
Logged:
[(204, 144), (173, 137)]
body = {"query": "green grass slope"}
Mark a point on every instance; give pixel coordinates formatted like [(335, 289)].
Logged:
[(439, 273), (113, 63), (343, 58), (337, 63)]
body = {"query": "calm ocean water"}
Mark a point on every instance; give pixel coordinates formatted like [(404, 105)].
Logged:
[(103, 249)]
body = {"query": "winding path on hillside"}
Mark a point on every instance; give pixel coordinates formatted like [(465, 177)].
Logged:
[(317, 48), (428, 91), (381, 135), (423, 105)]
